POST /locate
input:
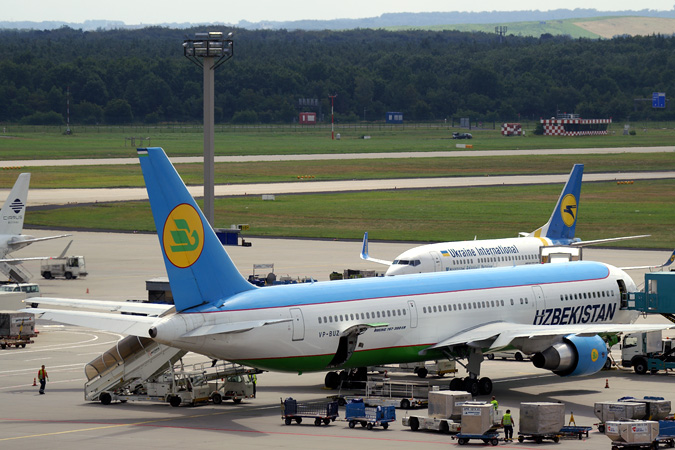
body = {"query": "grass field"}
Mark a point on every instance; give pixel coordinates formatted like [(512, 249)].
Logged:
[(429, 215)]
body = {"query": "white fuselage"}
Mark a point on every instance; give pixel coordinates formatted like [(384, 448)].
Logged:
[(461, 255), (399, 326)]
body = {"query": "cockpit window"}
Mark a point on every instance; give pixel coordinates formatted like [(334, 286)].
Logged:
[(416, 262)]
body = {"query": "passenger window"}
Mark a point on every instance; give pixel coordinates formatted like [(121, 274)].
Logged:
[(330, 318), (341, 318), (389, 313), (404, 313), (424, 309), (319, 319), (511, 302), (445, 308)]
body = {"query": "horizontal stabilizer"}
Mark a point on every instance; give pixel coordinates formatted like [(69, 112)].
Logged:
[(23, 242), (151, 309), (602, 241), (117, 323)]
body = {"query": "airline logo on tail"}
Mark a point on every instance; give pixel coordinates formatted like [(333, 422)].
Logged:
[(183, 236), (16, 206), (568, 209)]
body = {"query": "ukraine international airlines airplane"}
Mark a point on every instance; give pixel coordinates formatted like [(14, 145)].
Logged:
[(553, 311), (444, 256), (11, 225)]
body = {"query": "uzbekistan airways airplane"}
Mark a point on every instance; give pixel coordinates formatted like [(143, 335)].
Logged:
[(445, 256), (553, 311)]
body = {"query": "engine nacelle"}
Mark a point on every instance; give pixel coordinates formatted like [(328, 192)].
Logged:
[(574, 356)]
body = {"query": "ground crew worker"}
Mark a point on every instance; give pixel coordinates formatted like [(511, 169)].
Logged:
[(254, 380), (508, 423), (495, 403), (42, 376)]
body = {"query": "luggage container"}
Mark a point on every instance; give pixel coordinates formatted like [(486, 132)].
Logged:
[(445, 411), (657, 408), (16, 329), (357, 412), (633, 434), (477, 418), (541, 420), (613, 411)]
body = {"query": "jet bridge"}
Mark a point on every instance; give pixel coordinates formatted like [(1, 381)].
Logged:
[(658, 296)]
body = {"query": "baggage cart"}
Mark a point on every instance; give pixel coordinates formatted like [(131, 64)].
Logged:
[(322, 412), (538, 438), (573, 431), (357, 412), (491, 437)]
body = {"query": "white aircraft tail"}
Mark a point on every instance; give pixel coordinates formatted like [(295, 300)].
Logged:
[(14, 209)]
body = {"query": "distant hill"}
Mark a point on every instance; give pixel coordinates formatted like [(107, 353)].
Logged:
[(556, 22), (592, 28)]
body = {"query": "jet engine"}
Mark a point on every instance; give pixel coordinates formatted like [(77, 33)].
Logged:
[(574, 356)]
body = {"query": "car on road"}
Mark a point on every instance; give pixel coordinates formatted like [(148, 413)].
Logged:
[(457, 135)]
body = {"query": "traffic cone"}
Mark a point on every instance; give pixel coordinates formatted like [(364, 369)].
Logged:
[(606, 383), (87, 290), (34, 381)]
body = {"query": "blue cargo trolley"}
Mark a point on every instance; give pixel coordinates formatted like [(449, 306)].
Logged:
[(490, 437), (358, 412), (292, 410)]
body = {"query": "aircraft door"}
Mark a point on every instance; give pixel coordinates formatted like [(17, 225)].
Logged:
[(539, 298), (412, 310), (298, 324), (436, 258)]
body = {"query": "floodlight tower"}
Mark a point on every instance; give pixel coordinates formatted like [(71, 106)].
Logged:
[(332, 122), (208, 50)]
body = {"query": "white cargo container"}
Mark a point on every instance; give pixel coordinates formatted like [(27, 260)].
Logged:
[(633, 432), (445, 411), (541, 417), (477, 418)]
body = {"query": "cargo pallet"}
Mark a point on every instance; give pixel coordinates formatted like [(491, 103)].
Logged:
[(487, 438), (538, 438), (292, 410), (575, 431)]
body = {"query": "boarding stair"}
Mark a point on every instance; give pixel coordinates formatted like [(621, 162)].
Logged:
[(132, 360)]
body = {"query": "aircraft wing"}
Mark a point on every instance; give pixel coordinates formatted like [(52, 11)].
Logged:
[(602, 241), (668, 262), (20, 260), (497, 335), (150, 309), (23, 242), (117, 323), (365, 256)]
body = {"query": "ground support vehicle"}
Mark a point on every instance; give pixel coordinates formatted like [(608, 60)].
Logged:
[(647, 352), (16, 329), (444, 413), (234, 387), (68, 267), (293, 410), (404, 395), (573, 431), (431, 423), (491, 438), (538, 438), (357, 412)]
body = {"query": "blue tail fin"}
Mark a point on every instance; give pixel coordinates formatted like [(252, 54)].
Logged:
[(201, 273), (563, 221)]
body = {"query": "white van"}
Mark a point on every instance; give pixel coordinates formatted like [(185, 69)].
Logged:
[(31, 289)]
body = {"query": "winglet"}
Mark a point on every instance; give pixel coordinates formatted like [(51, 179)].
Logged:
[(201, 274), (14, 209), (366, 257), (668, 262), (563, 221)]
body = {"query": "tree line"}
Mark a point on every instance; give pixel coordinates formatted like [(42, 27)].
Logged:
[(141, 76)]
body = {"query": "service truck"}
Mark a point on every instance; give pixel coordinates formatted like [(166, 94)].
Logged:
[(16, 329), (647, 352), (444, 414), (68, 267)]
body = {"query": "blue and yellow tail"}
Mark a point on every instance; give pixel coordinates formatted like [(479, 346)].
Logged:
[(201, 273), (563, 221)]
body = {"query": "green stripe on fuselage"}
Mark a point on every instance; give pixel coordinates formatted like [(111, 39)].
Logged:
[(362, 358)]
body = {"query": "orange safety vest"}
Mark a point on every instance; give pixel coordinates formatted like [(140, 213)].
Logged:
[(42, 374)]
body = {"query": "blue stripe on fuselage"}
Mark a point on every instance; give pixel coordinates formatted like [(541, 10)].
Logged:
[(415, 284)]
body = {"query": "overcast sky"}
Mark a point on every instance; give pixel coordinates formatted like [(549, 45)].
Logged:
[(167, 11)]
